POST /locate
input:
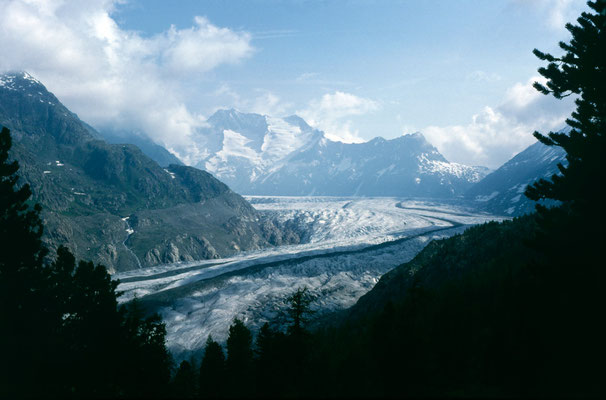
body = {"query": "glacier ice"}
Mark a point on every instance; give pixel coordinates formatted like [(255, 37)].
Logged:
[(351, 243)]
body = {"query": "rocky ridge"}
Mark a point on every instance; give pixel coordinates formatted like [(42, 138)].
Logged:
[(111, 203)]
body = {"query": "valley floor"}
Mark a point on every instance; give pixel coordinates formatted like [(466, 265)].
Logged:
[(349, 244)]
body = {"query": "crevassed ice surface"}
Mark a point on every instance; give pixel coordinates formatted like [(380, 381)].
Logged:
[(350, 243)]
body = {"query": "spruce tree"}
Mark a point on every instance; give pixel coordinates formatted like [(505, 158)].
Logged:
[(580, 72), (184, 384), (23, 337), (570, 238), (239, 359), (62, 333), (299, 309), (212, 371)]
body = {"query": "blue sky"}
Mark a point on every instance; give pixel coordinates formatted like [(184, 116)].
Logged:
[(458, 71)]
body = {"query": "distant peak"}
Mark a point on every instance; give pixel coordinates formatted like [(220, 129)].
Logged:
[(226, 113), (21, 75), (28, 77), (300, 122), (19, 80), (415, 135)]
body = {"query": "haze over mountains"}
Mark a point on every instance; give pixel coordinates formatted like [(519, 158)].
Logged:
[(111, 203)]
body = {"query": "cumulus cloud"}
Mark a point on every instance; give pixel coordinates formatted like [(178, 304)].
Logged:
[(112, 76), (495, 134), (267, 103), (262, 102), (331, 114)]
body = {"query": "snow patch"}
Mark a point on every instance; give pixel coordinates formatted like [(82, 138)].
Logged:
[(384, 170), (489, 197), (172, 174)]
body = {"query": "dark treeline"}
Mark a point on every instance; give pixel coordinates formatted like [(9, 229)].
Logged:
[(63, 334), (508, 321)]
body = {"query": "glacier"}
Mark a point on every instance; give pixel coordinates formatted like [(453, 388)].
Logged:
[(350, 243)]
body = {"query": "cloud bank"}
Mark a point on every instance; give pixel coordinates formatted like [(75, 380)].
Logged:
[(115, 77), (331, 113), (496, 134), (557, 12)]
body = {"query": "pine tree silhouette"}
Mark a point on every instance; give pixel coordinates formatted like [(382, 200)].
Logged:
[(62, 332), (239, 359), (184, 384), (581, 71), (22, 280), (212, 371)]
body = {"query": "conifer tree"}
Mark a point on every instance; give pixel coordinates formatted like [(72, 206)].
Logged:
[(212, 371), (570, 238), (184, 384), (299, 309), (239, 359), (22, 279), (62, 333), (267, 361), (581, 71)]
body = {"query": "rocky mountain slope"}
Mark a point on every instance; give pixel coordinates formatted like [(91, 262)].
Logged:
[(111, 203), (502, 191), (258, 154)]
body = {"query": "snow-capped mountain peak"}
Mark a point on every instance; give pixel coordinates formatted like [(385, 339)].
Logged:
[(18, 80), (24, 82), (260, 154)]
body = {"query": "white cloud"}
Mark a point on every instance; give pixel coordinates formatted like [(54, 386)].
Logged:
[(262, 102), (496, 134), (202, 47), (560, 12), (556, 12), (331, 113), (111, 76), (268, 103)]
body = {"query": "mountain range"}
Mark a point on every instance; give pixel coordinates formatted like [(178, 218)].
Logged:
[(110, 202), (129, 206), (261, 155)]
